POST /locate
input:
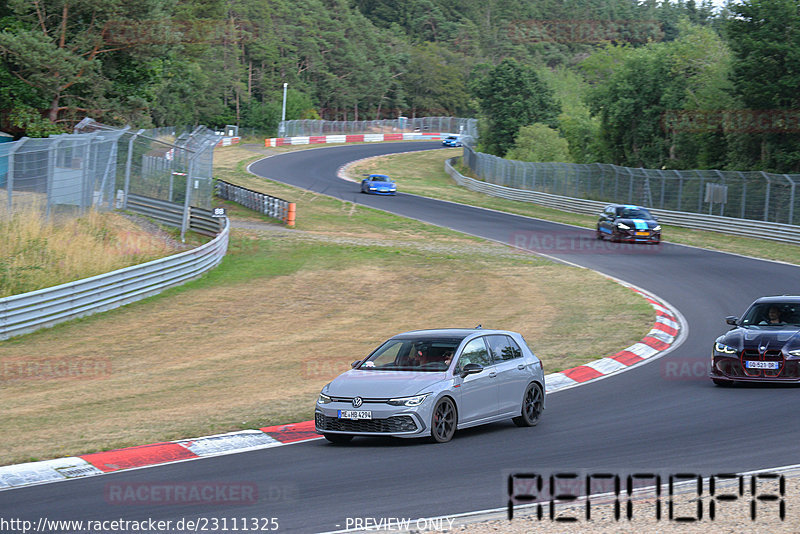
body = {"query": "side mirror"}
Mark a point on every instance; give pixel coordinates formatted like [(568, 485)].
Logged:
[(355, 364), (471, 369), (655, 218), (732, 320)]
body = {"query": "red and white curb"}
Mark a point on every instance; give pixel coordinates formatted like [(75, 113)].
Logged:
[(665, 334), (352, 138), (14, 476), (667, 330)]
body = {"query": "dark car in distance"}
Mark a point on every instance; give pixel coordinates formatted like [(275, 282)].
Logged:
[(452, 140), (762, 346), (625, 222)]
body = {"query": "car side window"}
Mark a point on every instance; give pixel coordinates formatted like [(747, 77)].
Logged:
[(474, 352), (503, 348)]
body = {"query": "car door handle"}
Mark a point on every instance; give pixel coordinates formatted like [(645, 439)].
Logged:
[(492, 374), (521, 366)]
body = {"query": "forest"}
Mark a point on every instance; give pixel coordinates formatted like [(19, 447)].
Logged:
[(656, 84)]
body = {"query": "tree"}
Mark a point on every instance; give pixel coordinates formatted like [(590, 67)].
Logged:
[(539, 142), (511, 96), (435, 82), (765, 38), (57, 48), (637, 91)]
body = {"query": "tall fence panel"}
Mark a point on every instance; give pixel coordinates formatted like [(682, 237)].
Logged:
[(63, 173), (761, 196), (749, 228), (302, 128)]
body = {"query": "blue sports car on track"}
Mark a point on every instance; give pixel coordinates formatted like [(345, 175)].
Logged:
[(624, 222), (452, 140), (378, 184)]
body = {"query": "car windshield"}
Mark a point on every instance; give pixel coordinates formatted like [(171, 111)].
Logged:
[(429, 354), (380, 178), (772, 314), (635, 213)]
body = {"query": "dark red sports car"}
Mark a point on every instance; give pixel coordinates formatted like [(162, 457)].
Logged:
[(763, 346)]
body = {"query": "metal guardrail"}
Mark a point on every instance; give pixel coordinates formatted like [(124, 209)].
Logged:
[(171, 214), (262, 203), (728, 225), (22, 314)]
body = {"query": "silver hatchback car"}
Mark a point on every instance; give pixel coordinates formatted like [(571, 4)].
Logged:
[(432, 382)]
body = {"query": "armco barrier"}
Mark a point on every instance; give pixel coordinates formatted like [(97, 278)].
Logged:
[(262, 203), (21, 314), (171, 214), (715, 223)]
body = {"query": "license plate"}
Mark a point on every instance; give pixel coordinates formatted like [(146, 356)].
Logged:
[(355, 414), (642, 233), (761, 365)]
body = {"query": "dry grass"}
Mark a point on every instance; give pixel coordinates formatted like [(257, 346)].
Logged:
[(35, 253), (257, 352)]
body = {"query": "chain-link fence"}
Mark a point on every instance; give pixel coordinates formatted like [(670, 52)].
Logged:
[(163, 163), (70, 173), (300, 128), (62, 173), (742, 194)]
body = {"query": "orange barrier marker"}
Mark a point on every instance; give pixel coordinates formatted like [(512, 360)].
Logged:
[(290, 216)]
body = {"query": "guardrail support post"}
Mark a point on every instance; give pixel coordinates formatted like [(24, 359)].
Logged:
[(791, 199), (188, 200), (10, 175), (766, 196), (128, 160)]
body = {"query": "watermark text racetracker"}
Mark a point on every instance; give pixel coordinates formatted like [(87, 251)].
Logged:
[(16, 369), (575, 242), (11, 525), (731, 120), (584, 31)]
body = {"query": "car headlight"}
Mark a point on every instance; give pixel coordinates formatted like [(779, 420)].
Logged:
[(794, 353), (416, 400), (657, 228), (324, 399), (724, 349), (622, 226)]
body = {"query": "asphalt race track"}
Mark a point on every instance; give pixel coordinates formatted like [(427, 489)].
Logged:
[(655, 416)]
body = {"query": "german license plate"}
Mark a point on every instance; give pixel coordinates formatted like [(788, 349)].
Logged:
[(355, 414), (642, 233), (761, 365)]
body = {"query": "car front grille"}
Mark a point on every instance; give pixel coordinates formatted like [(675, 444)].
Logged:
[(766, 356), (391, 425)]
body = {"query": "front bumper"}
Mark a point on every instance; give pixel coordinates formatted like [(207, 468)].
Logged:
[(397, 421), (733, 367), (638, 236)]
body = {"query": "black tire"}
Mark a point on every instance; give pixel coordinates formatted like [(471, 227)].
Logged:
[(443, 421), (722, 383), (599, 234), (338, 438), (615, 237), (532, 406)]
